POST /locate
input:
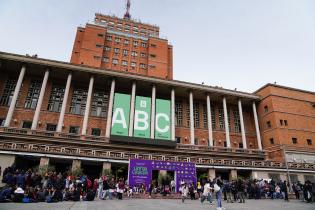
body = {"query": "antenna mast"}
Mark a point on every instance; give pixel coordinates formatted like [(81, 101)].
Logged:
[(127, 14)]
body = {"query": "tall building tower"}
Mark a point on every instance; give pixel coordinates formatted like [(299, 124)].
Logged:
[(123, 44)]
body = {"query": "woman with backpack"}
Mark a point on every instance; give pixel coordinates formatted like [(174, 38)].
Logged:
[(218, 190)]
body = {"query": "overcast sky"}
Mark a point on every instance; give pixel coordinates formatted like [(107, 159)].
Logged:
[(241, 44)]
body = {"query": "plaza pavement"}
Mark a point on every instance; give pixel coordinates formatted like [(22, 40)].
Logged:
[(159, 204)]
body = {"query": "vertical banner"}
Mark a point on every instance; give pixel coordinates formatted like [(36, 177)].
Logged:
[(142, 117), (121, 111), (163, 119)]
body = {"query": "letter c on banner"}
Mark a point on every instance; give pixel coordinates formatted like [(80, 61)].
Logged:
[(166, 118)]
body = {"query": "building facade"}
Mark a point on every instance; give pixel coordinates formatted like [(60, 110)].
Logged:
[(122, 44), (97, 113)]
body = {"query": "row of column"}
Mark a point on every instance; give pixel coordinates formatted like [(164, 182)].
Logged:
[(133, 95), (226, 122)]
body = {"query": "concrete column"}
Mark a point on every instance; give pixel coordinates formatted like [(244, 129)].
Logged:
[(257, 126), (106, 167), (110, 109), (240, 110), (87, 107), (301, 178), (173, 114), (132, 108), (15, 96), (5, 161), (153, 111), (44, 161), (191, 116), (233, 174), (211, 173), (226, 124), (76, 164), (210, 133), (64, 103), (40, 101)]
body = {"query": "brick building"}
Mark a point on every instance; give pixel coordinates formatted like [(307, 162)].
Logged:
[(119, 44), (61, 113)]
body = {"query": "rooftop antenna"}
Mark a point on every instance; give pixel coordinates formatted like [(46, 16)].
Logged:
[(127, 14)]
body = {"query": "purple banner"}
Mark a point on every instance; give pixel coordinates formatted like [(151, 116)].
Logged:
[(140, 171)]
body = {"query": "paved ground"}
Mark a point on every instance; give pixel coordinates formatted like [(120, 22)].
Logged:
[(155, 204)]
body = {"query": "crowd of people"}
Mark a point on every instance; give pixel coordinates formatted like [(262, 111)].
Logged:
[(30, 186)]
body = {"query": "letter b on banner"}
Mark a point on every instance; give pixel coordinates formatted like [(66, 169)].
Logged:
[(142, 117), (162, 119)]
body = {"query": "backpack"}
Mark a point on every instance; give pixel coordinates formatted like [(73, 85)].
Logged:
[(216, 188)]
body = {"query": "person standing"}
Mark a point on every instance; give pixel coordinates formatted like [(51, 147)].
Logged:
[(218, 190), (285, 190), (241, 190), (184, 191)]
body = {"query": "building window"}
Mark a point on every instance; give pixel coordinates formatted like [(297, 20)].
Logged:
[(152, 66), (27, 124), (107, 48), (152, 55), (74, 129), (100, 35), (240, 145), (196, 141), (133, 64), (2, 122), (266, 109), (106, 59), (224, 144), (125, 52), (78, 101), (96, 57), (51, 127), (8, 92), (126, 41), (99, 104), (134, 53), (179, 114), (117, 40), (142, 54), (178, 139), (109, 38), (237, 121), (116, 50), (268, 124), (196, 115), (309, 141), (32, 95), (205, 116), (221, 119), (56, 98), (98, 46), (143, 44), (96, 132), (124, 63), (281, 122), (135, 43), (142, 65), (115, 61), (271, 141), (294, 140), (285, 122), (153, 45), (213, 118)]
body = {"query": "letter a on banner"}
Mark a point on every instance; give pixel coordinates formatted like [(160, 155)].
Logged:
[(142, 117), (120, 120), (162, 119)]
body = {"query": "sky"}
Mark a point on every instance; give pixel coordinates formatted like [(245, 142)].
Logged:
[(241, 44)]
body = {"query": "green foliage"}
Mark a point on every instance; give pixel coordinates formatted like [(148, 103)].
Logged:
[(42, 170), (77, 172)]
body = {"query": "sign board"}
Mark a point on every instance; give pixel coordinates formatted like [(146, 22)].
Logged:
[(121, 111), (142, 117)]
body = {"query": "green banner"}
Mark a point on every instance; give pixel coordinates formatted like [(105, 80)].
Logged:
[(142, 117), (121, 111), (162, 119)]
